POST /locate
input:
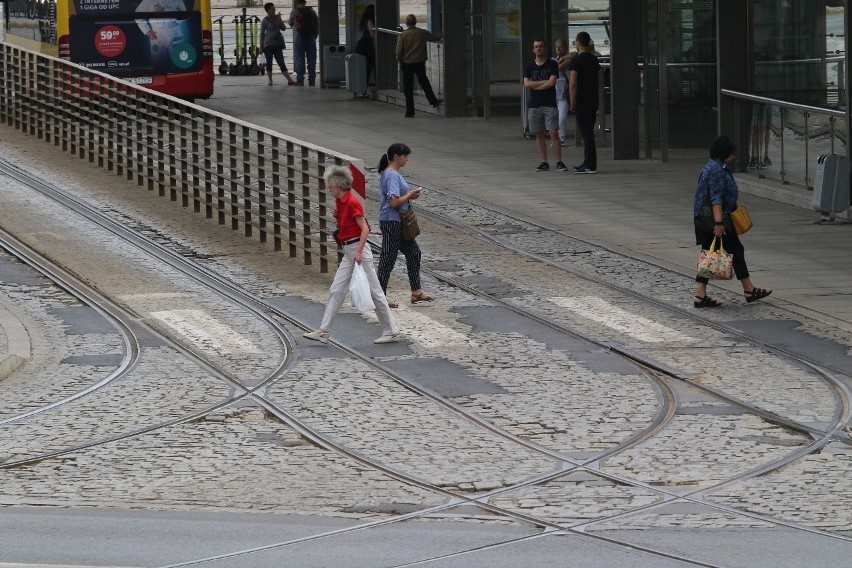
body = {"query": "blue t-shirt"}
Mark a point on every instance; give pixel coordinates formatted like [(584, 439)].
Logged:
[(391, 184)]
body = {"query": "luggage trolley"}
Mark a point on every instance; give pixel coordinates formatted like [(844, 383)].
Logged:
[(831, 187)]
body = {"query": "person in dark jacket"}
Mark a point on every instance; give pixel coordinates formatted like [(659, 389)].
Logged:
[(366, 45), (305, 24), (715, 197), (411, 54), (583, 84)]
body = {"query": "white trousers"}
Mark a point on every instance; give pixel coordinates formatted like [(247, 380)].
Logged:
[(340, 287), (562, 106)]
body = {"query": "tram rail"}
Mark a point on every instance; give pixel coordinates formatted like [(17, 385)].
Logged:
[(575, 465)]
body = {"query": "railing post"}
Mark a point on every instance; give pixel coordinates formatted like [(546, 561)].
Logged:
[(184, 162), (783, 172), (261, 186), (220, 171), (276, 195), (807, 150), (245, 188), (292, 220), (234, 175), (196, 158), (142, 135), (306, 205), (322, 201), (208, 172)]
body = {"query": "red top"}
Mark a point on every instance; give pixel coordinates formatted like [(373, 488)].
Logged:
[(348, 208)]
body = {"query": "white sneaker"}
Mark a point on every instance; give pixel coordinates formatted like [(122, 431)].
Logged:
[(387, 339), (318, 335)]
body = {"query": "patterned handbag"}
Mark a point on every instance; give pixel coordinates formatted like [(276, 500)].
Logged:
[(715, 264)]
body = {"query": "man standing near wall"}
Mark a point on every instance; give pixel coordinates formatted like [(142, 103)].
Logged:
[(305, 24), (583, 93), (411, 53)]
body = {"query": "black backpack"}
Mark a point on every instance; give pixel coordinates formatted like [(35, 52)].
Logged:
[(306, 22)]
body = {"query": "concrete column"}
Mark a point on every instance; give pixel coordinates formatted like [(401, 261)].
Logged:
[(624, 79), (328, 32), (455, 72), (735, 67), (533, 26), (847, 72), (387, 70)]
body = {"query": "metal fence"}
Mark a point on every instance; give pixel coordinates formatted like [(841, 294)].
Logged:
[(259, 181), (794, 135)]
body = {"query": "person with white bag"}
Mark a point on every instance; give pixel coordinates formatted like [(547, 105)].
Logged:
[(352, 237)]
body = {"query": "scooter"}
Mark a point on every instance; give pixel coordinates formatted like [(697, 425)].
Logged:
[(232, 69), (223, 66), (242, 65), (254, 68), (239, 50)]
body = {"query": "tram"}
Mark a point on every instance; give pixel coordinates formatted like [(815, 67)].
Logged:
[(166, 45)]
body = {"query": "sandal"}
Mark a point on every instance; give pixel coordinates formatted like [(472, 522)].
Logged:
[(706, 302), (756, 294), (421, 297)]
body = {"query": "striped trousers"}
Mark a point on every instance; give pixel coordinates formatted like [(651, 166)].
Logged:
[(392, 244)]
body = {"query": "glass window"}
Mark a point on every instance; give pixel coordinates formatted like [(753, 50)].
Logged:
[(799, 51)]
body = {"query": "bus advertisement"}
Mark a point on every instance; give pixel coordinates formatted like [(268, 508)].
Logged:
[(166, 45)]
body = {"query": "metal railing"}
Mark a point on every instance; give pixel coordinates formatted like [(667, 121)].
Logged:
[(796, 135), (256, 180)]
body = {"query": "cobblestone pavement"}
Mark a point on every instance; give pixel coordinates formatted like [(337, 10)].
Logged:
[(542, 385)]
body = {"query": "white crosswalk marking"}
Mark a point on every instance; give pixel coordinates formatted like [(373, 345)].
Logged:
[(622, 321), (206, 332)]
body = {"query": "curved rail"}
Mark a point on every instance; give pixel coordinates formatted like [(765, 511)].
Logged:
[(88, 296)]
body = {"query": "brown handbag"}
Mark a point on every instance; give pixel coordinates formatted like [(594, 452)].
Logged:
[(410, 229)]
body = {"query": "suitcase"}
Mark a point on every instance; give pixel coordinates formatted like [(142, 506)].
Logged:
[(356, 73), (831, 184)]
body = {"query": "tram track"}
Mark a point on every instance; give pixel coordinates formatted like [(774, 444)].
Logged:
[(825, 372), (219, 284), (125, 322), (479, 500), (88, 296)]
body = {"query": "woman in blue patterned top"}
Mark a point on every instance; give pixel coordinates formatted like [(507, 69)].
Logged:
[(715, 198)]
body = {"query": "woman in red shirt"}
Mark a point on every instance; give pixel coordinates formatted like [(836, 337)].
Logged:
[(353, 232)]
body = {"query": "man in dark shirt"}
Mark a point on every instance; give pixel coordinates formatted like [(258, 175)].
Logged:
[(583, 94), (542, 113)]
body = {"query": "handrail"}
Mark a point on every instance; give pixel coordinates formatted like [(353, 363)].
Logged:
[(811, 60), (256, 180), (674, 65), (780, 103), (398, 32)]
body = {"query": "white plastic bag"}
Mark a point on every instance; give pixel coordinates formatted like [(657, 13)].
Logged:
[(359, 290)]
